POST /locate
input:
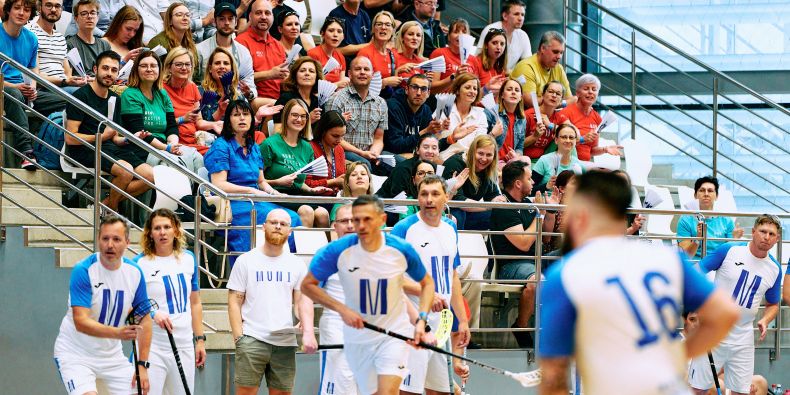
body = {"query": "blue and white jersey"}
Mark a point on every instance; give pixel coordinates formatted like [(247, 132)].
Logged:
[(170, 281), (330, 326), (438, 250), (615, 305), (747, 278), (110, 295), (372, 281)]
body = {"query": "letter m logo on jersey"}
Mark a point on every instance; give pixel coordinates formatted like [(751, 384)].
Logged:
[(440, 270), (373, 301), (111, 308), (744, 290), (177, 293)]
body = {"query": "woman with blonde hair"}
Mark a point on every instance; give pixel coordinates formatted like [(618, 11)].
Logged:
[(467, 121), (125, 33), (219, 62), (172, 280), (379, 51), (409, 43), (482, 184), (285, 153), (178, 31), (357, 181)]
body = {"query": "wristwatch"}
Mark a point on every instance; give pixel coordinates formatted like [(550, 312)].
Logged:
[(144, 364), (63, 82), (200, 337)]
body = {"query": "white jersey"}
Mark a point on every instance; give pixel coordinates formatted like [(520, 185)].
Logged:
[(438, 250), (615, 305), (170, 281), (330, 326), (747, 278), (372, 281), (268, 284), (110, 295)]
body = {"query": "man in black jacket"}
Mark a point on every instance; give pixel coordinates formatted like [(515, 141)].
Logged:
[(410, 118)]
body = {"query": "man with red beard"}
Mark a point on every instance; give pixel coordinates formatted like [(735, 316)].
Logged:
[(263, 288)]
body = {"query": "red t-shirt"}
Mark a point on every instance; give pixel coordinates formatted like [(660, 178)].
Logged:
[(483, 74), (510, 138), (338, 170), (384, 64), (184, 100), (453, 61), (266, 53), (538, 148), (400, 60), (585, 124), (335, 75)]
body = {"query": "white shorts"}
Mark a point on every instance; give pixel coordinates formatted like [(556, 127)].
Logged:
[(163, 374), (336, 375), (427, 369), (738, 364), (385, 357), (108, 375)]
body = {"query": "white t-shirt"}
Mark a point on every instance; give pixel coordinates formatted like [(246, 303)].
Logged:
[(170, 282), (110, 295), (476, 117), (615, 305), (330, 326), (518, 47), (152, 20), (372, 281), (268, 284), (747, 278)]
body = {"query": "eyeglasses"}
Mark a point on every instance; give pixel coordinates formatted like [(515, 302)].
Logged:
[(182, 15), (275, 224), (182, 65), (422, 89), (553, 92), (428, 3), (86, 14), (298, 116), (53, 6), (425, 173), (344, 221), (383, 24)]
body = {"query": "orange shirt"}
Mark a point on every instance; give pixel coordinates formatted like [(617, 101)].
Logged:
[(384, 64), (483, 74), (585, 124), (453, 61), (400, 60), (538, 148), (266, 53), (335, 75), (184, 100)]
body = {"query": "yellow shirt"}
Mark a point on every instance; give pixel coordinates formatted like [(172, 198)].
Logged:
[(537, 76)]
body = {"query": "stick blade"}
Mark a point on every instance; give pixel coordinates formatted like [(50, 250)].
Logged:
[(527, 379)]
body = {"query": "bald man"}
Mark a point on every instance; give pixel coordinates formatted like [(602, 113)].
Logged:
[(264, 285)]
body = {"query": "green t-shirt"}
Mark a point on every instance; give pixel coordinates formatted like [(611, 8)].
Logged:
[(154, 111), (280, 159), (549, 165)]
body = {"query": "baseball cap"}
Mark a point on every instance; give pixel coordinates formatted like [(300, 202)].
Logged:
[(222, 7)]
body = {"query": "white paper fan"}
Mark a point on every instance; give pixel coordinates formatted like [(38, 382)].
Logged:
[(292, 54), (325, 90), (652, 198), (436, 65), (317, 167), (467, 45), (388, 159), (375, 84), (444, 104), (396, 209), (126, 70), (521, 79), (76, 62), (159, 50), (489, 103), (536, 107), (608, 119), (330, 65)]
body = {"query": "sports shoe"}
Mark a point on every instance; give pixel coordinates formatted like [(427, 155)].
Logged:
[(29, 163)]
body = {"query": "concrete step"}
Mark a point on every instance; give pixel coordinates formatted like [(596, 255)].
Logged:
[(56, 216), (34, 234), (38, 177), (219, 342), (66, 257), (30, 198), (218, 319), (209, 296)]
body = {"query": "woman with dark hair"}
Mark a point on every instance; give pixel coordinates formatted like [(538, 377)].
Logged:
[(326, 144), (146, 109), (236, 166), (284, 154), (301, 83), (540, 136), (178, 31), (469, 120), (125, 33), (331, 37), (550, 165), (490, 63), (565, 184), (511, 113), (171, 273), (452, 57), (423, 169), (287, 22)]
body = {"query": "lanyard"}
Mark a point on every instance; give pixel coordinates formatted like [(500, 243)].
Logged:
[(330, 162)]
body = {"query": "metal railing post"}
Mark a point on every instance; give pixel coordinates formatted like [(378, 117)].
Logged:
[(253, 225), (2, 134), (633, 84), (538, 259), (565, 6), (704, 241), (196, 230), (97, 190), (778, 338), (715, 125)]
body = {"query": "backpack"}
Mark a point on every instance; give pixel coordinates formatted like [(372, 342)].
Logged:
[(52, 136)]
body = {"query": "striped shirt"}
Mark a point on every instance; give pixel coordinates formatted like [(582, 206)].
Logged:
[(366, 115), (51, 51)]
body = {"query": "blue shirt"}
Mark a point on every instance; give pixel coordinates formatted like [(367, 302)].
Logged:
[(23, 49), (228, 155), (357, 27), (718, 227)]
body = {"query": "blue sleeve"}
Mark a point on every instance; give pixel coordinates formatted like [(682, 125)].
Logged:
[(324, 263), (136, 259), (80, 290), (557, 318), (713, 260), (774, 294), (687, 226), (195, 273), (402, 227), (141, 294), (414, 267), (696, 288), (217, 158), (457, 261)]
